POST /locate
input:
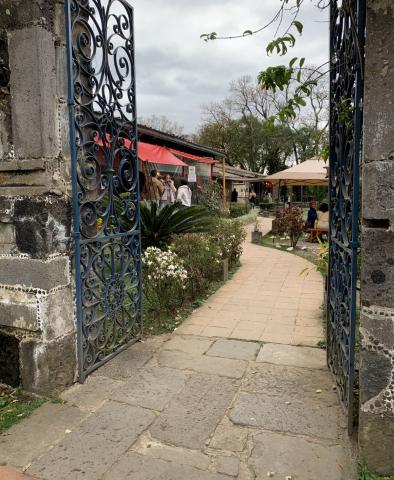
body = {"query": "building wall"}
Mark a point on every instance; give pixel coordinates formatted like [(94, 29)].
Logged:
[(36, 300), (376, 431)]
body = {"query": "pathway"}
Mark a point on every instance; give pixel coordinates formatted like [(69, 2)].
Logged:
[(230, 395)]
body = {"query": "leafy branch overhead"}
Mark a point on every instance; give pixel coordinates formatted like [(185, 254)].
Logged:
[(280, 77)]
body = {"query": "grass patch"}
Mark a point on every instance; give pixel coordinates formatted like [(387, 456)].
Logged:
[(168, 323), (15, 405), (247, 219), (365, 474)]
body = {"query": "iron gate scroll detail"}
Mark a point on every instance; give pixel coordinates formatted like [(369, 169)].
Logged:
[(103, 134), (346, 91)]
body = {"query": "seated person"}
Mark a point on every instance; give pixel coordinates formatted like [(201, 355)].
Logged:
[(323, 216), (312, 216)]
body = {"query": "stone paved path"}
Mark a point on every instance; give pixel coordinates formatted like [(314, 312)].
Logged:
[(230, 395)]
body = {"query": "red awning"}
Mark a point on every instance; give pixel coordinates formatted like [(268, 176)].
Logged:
[(193, 157), (156, 154)]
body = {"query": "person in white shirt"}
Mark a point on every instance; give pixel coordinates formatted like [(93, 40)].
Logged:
[(184, 195)]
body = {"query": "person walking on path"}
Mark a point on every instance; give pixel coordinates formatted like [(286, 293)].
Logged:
[(168, 196), (184, 195)]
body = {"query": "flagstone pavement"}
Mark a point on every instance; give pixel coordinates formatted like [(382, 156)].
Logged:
[(238, 391)]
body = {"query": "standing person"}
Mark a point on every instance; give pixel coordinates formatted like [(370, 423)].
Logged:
[(156, 188), (184, 195), (252, 198), (234, 196), (168, 196)]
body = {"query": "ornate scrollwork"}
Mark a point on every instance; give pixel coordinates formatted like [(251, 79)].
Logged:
[(106, 171), (345, 144)]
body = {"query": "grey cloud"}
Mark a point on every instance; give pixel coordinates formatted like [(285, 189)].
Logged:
[(177, 72)]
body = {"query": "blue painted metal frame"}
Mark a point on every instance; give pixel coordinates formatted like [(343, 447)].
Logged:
[(346, 93), (105, 178)]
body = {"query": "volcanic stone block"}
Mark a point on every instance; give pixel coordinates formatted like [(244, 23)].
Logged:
[(376, 441), (35, 273), (377, 272), (57, 314), (19, 310), (47, 368), (33, 92), (378, 200)]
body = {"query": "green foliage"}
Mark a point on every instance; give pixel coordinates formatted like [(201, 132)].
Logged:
[(365, 474), (158, 225), (290, 221), (16, 405), (229, 236), (201, 258), (321, 262), (239, 209), (212, 198)]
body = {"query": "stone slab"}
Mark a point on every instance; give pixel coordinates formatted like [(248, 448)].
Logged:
[(301, 417), (26, 441), (154, 449), (133, 466), (92, 394), (193, 415), (290, 382), (227, 465), (229, 437), (125, 364), (234, 349), (293, 356), (151, 387), (89, 451), (19, 310), (195, 345), (204, 364), (299, 458)]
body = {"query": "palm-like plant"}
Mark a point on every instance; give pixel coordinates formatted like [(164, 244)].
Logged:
[(159, 224)]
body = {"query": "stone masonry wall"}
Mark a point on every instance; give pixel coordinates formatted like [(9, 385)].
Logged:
[(36, 301), (376, 435)]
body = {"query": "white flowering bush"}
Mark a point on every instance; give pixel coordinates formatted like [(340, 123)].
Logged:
[(164, 280), (229, 236)]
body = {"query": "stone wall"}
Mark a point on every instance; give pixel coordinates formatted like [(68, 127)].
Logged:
[(36, 302), (376, 435)]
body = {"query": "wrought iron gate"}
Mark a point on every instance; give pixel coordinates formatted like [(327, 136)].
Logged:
[(103, 134), (346, 85)]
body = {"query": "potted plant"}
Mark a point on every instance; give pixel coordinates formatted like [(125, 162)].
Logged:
[(257, 234)]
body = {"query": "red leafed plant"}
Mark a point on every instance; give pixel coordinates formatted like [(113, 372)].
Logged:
[(289, 221)]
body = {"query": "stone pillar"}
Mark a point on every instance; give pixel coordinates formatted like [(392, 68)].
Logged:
[(376, 431), (37, 324)]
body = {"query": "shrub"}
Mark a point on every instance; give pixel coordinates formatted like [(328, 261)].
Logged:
[(212, 198), (289, 221), (164, 280), (201, 258), (239, 209), (158, 225), (229, 236)]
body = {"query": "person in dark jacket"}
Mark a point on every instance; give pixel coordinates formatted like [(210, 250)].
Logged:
[(234, 196), (312, 215)]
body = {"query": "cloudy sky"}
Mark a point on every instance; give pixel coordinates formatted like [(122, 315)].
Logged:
[(177, 72)]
